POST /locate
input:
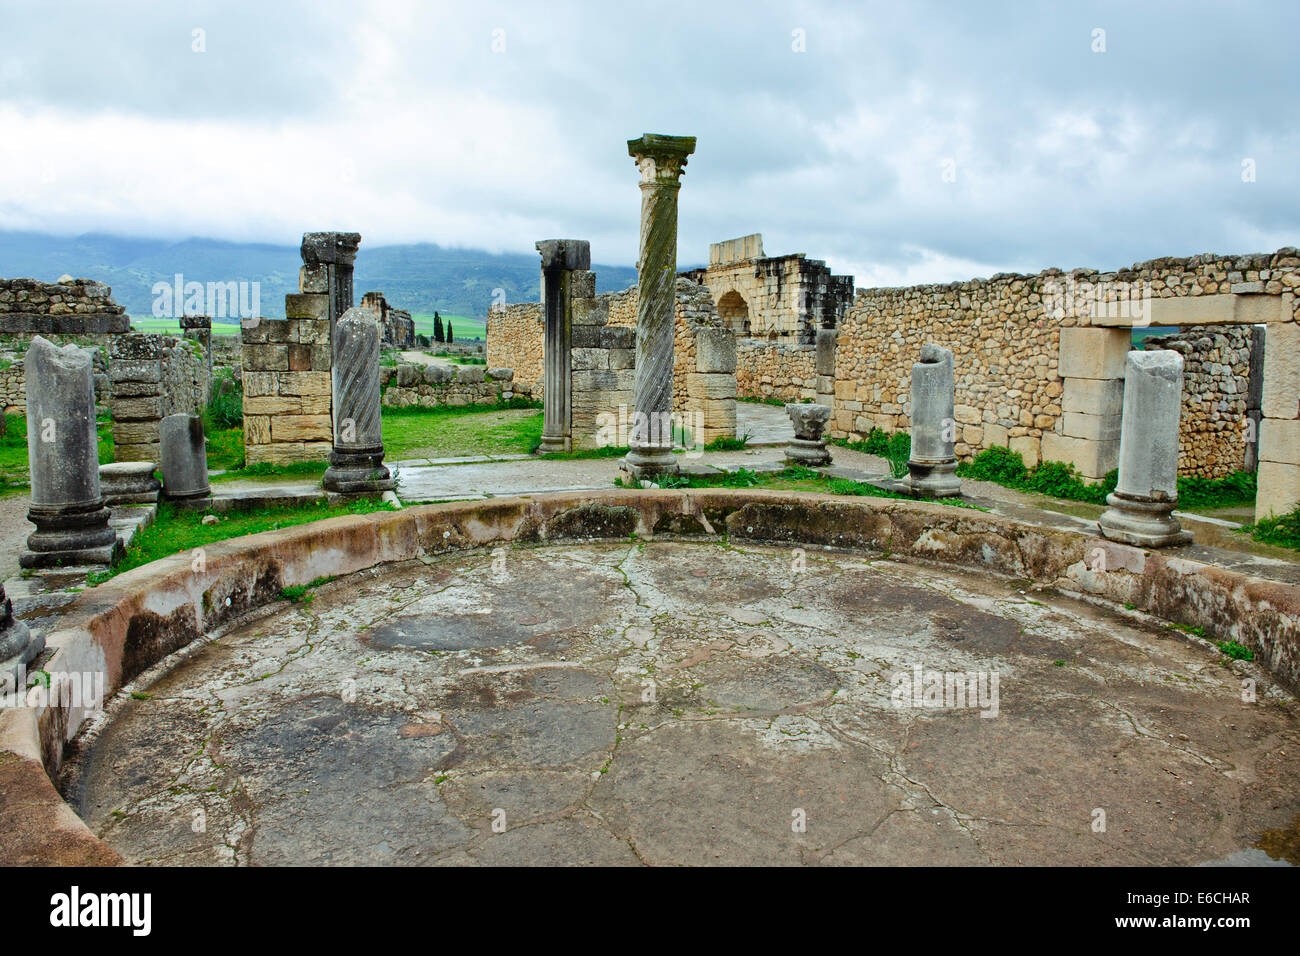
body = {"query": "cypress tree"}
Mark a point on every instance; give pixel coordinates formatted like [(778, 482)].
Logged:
[(437, 327), (449, 331)]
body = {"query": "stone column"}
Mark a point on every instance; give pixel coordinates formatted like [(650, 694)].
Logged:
[(932, 466), (711, 388), (560, 259), (18, 648), (328, 259), (184, 458), (63, 456), (1141, 506), (357, 460), (808, 448), (825, 366), (661, 161)]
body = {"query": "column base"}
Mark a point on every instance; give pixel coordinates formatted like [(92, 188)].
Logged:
[(19, 646), (553, 445), (810, 454), (358, 473), (648, 462), (933, 479), (1141, 521), (72, 536)]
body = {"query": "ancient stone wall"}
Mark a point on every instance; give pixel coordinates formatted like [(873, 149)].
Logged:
[(396, 327), (514, 334), (775, 370), (68, 307), (514, 340), (150, 377), (1007, 348), (430, 386), (287, 388), (1216, 381)]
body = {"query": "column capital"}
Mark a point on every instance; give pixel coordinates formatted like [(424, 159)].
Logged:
[(660, 158), (570, 254), (333, 248)]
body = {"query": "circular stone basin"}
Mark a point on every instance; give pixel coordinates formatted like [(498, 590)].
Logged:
[(667, 702)]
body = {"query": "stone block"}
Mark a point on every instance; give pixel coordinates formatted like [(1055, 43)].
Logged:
[(583, 359), (314, 279), (267, 358), (715, 351), (135, 346), (291, 428), (136, 409), (1278, 488), (257, 429), (135, 371), (1092, 396), (824, 362), (1029, 447), (261, 330), (588, 311), (1281, 396), (471, 374), (710, 385), (299, 358), (1279, 440), (307, 306), (617, 337), (1211, 310), (313, 384), (622, 358), (995, 435), (279, 405), (136, 451), (1093, 352), (584, 337), (310, 331), (1093, 459), (1093, 427), (133, 389), (135, 433), (259, 383), (571, 254), (582, 284)]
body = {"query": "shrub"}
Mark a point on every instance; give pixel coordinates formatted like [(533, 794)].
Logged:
[(226, 403)]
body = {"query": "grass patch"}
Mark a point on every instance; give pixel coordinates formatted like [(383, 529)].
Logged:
[(895, 448), (301, 593), (1236, 651), (264, 469), (177, 531), (794, 478), (13, 449), (754, 400), (449, 431), (604, 451), (1282, 530)]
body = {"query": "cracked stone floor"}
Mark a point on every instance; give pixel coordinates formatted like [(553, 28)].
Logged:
[(690, 703)]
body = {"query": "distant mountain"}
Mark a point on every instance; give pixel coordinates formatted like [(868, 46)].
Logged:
[(420, 278)]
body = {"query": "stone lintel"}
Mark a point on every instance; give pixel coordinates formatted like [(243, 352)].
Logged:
[(335, 248), (570, 254)]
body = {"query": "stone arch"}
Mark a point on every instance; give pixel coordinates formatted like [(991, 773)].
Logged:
[(734, 312)]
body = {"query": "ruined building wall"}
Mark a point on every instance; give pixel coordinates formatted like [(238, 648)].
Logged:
[(775, 370), (515, 334), (150, 377), (1216, 380), (1006, 349)]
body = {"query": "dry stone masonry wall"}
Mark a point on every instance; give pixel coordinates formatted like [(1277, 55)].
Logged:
[(431, 386), (151, 377)]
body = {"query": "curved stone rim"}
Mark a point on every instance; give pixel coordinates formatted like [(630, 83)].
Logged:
[(143, 615)]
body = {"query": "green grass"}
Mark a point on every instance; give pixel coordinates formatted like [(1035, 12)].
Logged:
[(462, 326), (263, 469), (794, 478), (150, 323), (1236, 651), (896, 448), (605, 451), (754, 400), (1283, 530), (449, 431), (13, 449), (177, 531), (1059, 480)]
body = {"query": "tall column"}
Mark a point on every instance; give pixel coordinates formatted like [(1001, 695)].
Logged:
[(357, 460), (328, 259), (1141, 506), (63, 456), (560, 259), (661, 161), (932, 465)]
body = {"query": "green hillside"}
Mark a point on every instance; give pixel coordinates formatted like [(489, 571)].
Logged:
[(419, 278)]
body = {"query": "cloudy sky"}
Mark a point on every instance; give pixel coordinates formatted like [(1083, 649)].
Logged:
[(902, 141)]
